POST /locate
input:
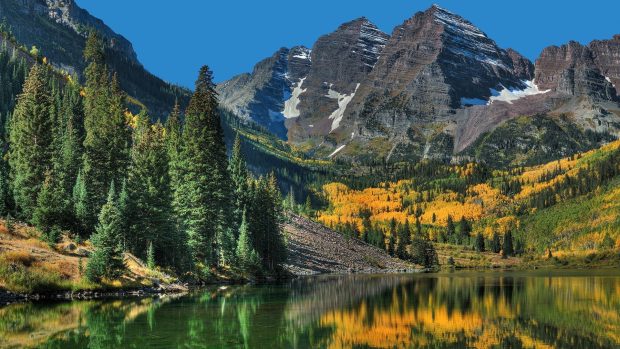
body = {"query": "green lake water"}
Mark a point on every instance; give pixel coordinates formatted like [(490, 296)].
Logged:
[(538, 309)]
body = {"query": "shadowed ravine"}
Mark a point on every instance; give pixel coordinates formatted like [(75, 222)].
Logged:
[(475, 309)]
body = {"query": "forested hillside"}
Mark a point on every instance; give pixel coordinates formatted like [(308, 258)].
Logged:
[(568, 206), (79, 164)]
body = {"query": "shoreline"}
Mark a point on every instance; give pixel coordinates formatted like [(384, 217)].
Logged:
[(8, 297)]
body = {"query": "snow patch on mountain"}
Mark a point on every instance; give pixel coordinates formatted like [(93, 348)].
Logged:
[(509, 95), (305, 54), (337, 150), (291, 104), (343, 101), (609, 81)]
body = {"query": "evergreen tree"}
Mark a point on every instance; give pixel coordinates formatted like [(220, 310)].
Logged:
[(4, 188), (107, 136), (150, 256), (239, 175), (496, 245), (392, 239), (80, 204), (450, 230), (52, 208), (30, 153), (392, 244), (107, 259), (174, 146), (479, 242), (148, 205), (404, 239), (203, 198), (423, 253), (465, 230), (245, 252), (507, 248)]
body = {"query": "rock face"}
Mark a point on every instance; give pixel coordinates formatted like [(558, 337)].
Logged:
[(308, 88), (58, 28), (261, 95), (428, 90), (574, 69)]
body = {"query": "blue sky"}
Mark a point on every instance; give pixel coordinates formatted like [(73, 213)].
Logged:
[(174, 38)]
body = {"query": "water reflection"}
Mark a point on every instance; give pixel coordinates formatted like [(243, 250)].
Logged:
[(481, 310)]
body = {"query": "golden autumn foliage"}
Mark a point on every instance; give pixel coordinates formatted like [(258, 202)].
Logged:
[(483, 204)]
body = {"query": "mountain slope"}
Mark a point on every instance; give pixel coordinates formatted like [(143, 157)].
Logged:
[(314, 249), (431, 90), (58, 29)]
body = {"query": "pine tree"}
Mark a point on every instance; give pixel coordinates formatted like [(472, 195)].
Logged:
[(479, 242), (496, 245), (30, 153), (404, 239), (150, 256), (245, 252), (107, 136), (308, 207), (148, 206), (4, 188), (52, 208), (391, 244), (239, 175), (392, 238), (465, 230), (80, 204), (107, 259), (507, 248), (450, 230), (202, 200), (174, 145)]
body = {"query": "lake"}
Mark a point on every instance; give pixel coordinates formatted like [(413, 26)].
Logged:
[(537, 309)]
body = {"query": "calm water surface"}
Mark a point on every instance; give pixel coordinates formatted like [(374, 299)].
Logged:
[(560, 309)]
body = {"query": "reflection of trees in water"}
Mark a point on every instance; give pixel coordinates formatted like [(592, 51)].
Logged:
[(440, 311), (485, 311)]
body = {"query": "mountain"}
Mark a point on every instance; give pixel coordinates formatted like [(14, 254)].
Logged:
[(326, 76), (58, 28), (437, 87)]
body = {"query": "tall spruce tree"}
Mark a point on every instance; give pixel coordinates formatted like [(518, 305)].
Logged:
[(202, 199), (508, 247), (246, 254), (404, 239), (174, 145), (148, 185), (107, 136), (107, 259), (496, 245), (31, 149), (239, 175)]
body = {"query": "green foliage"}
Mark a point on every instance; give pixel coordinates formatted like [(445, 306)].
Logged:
[(496, 245), (507, 248), (150, 256), (107, 136), (480, 242), (107, 259), (404, 239), (31, 141), (145, 201), (202, 199), (423, 252), (246, 254), (52, 208)]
